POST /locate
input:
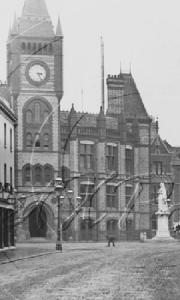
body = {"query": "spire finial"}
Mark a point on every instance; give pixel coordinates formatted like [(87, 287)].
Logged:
[(120, 68), (130, 68), (14, 26), (59, 28), (157, 125)]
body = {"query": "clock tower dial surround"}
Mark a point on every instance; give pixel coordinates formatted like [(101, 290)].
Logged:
[(37, 73)]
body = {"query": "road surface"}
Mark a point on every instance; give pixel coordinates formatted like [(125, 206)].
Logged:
[(93, 271)]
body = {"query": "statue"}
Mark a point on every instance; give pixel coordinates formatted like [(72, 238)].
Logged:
[(162, 232), (162, 199)]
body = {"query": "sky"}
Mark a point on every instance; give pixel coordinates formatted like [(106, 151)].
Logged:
[(143, 34)]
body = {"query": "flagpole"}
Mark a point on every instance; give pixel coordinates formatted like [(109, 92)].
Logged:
[(102, 74)]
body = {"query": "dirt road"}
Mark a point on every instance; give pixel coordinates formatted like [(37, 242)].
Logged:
[(94, 271)]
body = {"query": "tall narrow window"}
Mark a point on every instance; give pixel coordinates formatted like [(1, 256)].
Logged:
[(129, 161), (155, 189), (111, 197), (46, 140), (5, 136), (45, 49), (11, 140), (11, 176), (37, 141), (86, 192), (29, 140), (34, 48), (37, 112), (5, 173), (27, 174), (23, 47), (129, 191), (29, 116), (111, 157), (47, 174), (39, 48), (38, 175), (86, 156), (29, 47)]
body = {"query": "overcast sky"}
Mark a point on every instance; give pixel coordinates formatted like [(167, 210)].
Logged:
[(145, 33)]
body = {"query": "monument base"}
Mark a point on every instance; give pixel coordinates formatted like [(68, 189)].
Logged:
[(162, 233)]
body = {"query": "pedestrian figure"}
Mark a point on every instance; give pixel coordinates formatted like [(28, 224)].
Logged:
[(111, 240)]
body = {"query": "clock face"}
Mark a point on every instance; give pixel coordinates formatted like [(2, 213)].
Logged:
[(37, 73)]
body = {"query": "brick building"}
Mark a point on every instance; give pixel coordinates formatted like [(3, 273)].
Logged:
[(7, 124), (116, 141), (83, 148)]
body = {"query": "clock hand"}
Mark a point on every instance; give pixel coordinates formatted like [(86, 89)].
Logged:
[(39, 74)]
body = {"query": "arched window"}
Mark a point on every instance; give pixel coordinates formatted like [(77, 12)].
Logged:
[(27, 174), (46, 140), (29, 116), (48, 174), (37, 142), (37, 112), (38, 175), (29, 140)]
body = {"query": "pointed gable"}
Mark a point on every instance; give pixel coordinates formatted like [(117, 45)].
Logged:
[(123, 96), (133, 104), (35, 20), (158, 146)]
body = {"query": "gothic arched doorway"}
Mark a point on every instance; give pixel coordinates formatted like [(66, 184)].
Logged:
[(38, 222)]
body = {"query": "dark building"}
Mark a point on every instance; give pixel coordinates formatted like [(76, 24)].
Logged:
[(7, 211)]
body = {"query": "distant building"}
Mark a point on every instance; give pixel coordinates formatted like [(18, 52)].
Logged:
[(117, 141), (7, 124)]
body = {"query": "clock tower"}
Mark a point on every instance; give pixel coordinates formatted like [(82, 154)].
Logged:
[(35, 80)]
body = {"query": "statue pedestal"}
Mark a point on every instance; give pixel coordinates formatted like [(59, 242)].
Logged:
[(162, 233)]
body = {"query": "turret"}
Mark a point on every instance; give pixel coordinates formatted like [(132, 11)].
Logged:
[(72, 118), (101, 124)]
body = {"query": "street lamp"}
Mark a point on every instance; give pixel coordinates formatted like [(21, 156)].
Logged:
[(58, 189)]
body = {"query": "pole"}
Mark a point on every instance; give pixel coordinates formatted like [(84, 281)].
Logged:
[(102, 73), (59, 240)]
